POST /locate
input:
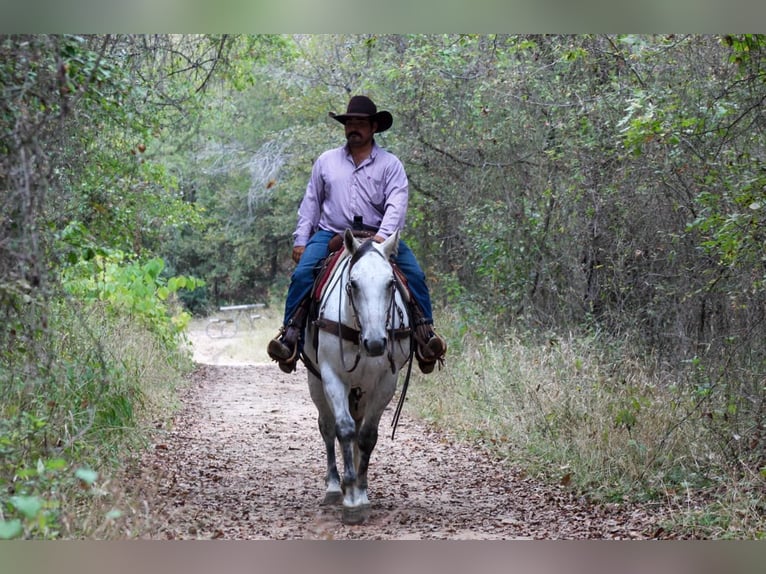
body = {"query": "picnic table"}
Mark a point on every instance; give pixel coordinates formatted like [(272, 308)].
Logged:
[(228, 324)]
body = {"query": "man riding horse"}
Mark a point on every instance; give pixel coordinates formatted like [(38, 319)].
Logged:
[(356, 185)]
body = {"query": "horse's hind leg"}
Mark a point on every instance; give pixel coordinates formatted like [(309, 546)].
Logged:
[(368, 438)]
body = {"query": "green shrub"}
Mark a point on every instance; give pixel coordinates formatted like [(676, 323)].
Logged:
[(81, 376)]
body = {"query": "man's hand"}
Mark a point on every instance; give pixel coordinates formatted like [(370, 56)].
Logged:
[(378, 239), (297, 252)]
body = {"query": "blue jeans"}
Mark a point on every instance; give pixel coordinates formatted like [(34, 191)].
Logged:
[(316, 249)]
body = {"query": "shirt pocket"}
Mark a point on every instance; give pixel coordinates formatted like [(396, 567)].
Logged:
[(373, 188)]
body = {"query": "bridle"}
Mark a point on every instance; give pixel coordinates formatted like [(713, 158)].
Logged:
[(392, 312), (354, 333)]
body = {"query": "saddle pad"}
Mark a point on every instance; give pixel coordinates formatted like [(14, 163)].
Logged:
[(331, 262), (401, 283), (326, 271)]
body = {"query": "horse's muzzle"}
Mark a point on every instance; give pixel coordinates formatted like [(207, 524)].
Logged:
[(375, 347)]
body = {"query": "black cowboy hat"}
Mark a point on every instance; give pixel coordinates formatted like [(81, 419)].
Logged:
[(363, 107)]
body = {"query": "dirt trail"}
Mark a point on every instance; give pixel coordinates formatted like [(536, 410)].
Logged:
[(244, 460)]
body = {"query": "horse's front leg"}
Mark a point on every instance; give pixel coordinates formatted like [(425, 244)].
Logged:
[(326, 421), (355, 503), (337, 395), (333, 492), (345, 430), (367, 436)]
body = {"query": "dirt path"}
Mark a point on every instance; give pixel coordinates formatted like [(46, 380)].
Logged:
[(244, 460)]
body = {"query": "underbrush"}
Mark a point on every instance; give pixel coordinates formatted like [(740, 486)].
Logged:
[(77, 395), (589, 413)]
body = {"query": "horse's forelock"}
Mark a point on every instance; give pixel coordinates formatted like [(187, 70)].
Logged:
[(364, 248)]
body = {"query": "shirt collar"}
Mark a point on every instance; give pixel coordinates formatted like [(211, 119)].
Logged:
[(373, 152)]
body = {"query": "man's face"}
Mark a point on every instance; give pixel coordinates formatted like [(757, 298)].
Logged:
[(359, 131)]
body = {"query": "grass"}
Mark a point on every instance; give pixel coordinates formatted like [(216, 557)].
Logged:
[(100, 386), (586, 412)]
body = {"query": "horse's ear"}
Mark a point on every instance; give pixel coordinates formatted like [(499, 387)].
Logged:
[(351, 242), (391, 245)]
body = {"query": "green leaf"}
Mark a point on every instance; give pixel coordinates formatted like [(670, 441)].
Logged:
[(10, 529), (29, 506), (176, 283), (87, 475), (25, 473), (114, 514), (153, 267), (162, 293), (55, 464)]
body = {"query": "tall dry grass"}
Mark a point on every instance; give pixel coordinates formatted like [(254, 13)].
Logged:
[(587, 411)]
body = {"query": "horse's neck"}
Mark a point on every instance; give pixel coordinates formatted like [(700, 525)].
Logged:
[(335, 303)]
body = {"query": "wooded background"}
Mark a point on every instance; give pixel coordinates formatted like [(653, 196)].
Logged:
[(596, 184)]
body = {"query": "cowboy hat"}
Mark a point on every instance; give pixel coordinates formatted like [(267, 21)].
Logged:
[(363, 107)]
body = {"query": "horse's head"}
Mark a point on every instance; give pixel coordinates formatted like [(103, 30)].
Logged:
[(372, 288)]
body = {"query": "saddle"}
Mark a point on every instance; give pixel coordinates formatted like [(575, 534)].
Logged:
[(336, 252)]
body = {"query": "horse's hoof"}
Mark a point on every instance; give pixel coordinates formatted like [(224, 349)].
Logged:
[(332, 499), (355, 515)]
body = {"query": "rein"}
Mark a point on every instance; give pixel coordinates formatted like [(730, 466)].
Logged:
[(400, 404)]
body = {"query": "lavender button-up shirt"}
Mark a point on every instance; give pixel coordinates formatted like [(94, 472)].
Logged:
[(338, 190)]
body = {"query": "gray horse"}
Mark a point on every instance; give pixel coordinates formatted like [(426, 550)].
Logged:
[(358, 344)]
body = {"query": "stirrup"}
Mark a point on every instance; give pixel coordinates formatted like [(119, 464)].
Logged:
[(430, 346), (437, 348), (286, 365), (277, 347)]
